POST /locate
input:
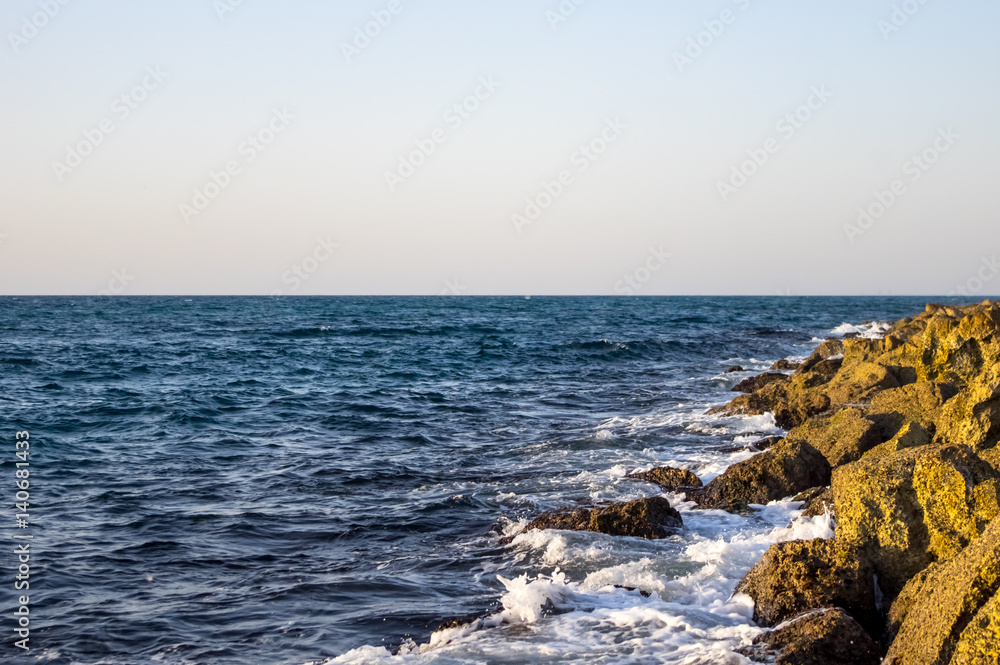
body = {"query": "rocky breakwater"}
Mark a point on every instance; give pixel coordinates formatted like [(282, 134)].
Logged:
[(906, 430)]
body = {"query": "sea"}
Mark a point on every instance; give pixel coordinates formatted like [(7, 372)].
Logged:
[(230, 481)]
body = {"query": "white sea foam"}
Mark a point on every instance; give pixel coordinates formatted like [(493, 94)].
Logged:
[(874, 330)]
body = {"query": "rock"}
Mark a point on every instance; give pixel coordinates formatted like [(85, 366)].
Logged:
[(734, 368), (802, 575), (828, 367), (913, 507), (786, 364), (792, 402), (785, 470), (992, 457), (810, 393), (951, 612), (830, 637), (828, 349), (917, 402), (818, 501), (842, 438), (755, 383), (973, 416), (911, 435), (668, 478), (858, 384), (754, 446), (651, 518)]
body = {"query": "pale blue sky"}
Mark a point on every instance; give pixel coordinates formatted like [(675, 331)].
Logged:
[(115, 222)]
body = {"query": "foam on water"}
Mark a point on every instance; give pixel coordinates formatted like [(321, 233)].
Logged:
[(622, 600)]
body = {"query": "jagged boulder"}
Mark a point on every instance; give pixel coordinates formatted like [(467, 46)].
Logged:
[(651, 518), (786, 365), (830, 637), (755, 383), (788, 468), (973, 416), (912, 507), (668, 478), (792, 402), (950, 614), (843, 437), (910, 435), (917, 402), (858, 383), (800, 575), (830, 348)]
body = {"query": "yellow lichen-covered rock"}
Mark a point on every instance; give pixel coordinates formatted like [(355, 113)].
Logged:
[(973, 416), (917, 402), (910, 435), (843, 437), (949, 614), (991, 456), (912, 507), (858, 384), (792, 402), (979, 643)]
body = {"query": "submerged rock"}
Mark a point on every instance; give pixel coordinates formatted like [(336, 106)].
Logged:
[(754, 383), (785, 470), (651, 518), (802, 575), (830, 637), (668, 478), (951, 613), (913, 507), (842, 438)]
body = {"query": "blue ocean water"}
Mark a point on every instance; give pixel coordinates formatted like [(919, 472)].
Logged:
[(292, 480)]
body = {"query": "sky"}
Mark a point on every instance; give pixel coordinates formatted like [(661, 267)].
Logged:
[(522, 147)]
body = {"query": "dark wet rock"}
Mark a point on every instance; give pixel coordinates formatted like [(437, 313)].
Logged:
[(651, 518), (643, 593), (800, 575), (786, 365), (668, 478), (755, 383), (785, 470), (830, 637), (913, 507), (828, 367), (816, 501), (950, 613), (734, 368), (843, 437)]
